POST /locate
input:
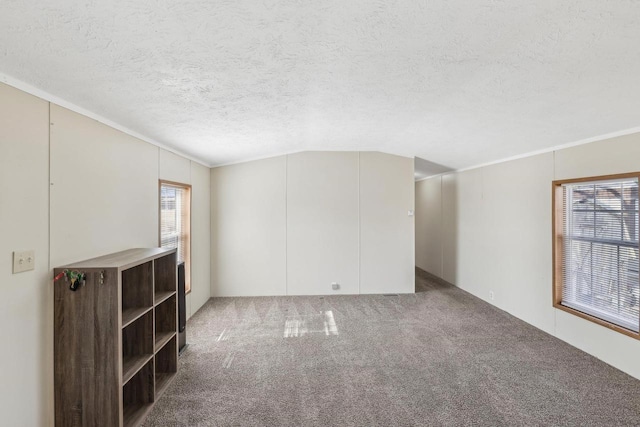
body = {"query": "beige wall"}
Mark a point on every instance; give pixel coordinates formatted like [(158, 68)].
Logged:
[(322, 223), (449, 228), (387, 249), (172, 167), (72, 189), (292, 225), (175, 168), (428, 201), (496, 237), (248, 228), (200, 238), (26, 362), (104, 189)]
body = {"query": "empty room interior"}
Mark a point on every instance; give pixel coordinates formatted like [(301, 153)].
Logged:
[(284, 213)]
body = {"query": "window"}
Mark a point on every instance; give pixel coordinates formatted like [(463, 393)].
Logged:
[(596, 250), (175, 223)]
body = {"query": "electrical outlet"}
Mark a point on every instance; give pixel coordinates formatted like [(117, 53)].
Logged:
[(335, 286), (23, 261), (491, 295)]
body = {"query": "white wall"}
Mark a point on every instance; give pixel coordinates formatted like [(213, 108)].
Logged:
[(510, 206), (104, 195), (104, 189), (175, 168), (172, 167), (248, 228), (292, 225), (496, 237), (428, 201), (449, 228), (387, 232), (322, 223), (73, 188), (200, 238), (26, 299)]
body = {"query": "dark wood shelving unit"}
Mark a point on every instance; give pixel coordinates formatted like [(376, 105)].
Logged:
[(130, 315), (138, 395), (162, 338), (132, 364), (166, 360), (119, 326), (162, 296)]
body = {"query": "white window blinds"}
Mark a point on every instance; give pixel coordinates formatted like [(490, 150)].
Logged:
[(600, 256), (175, 223)]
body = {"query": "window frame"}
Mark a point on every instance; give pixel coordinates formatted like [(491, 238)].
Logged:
[(163, 182), (558, 203)]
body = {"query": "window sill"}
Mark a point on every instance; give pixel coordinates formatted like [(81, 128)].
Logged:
[(600, 322)]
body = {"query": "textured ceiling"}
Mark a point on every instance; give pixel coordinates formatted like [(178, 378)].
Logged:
[(455, 82)]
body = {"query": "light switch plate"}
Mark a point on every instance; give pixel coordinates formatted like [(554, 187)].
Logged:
[(23, 261)]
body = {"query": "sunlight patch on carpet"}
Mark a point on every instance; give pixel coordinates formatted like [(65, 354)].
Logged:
[(317, 324)]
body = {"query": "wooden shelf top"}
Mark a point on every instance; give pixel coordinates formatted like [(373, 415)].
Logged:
[(130, 315), (162, 296), (122, 260), (163, 379), (132, 364), (134, 414), (162, 338)]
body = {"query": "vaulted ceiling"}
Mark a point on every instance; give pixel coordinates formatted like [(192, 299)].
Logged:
[(455, 82)]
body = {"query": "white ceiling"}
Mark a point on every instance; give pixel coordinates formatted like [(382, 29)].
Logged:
[(455, 82)]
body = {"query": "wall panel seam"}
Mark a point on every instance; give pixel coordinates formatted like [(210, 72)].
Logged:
[(286, 224), (49, 188), (359, 230), (50, 395), (442, 231)]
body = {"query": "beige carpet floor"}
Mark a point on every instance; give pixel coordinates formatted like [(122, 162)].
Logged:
[(440, 357)]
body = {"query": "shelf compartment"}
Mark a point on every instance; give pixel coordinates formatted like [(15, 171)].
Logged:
[(137, 345), (131, 365), (165, 272), (162, 338), (162, 382), (166, 363), (132, 314), (161, 296), (166, 317), (134, 414), (138, 395), (137, 289)]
